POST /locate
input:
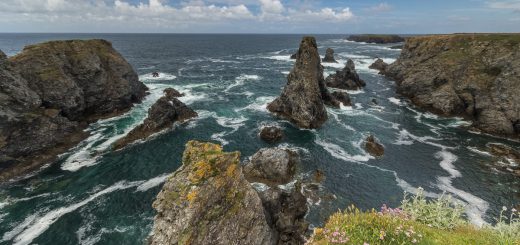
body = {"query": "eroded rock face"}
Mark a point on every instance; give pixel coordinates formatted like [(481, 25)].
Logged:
[(162, 115), (271, 134), (329, 56), (51, 91), (208, 201), (347, 78), (301, 100), (379, 65), (474, 76), (373, 147), (273, 166)]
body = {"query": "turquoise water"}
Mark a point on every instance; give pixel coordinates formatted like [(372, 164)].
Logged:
[(95, 196)]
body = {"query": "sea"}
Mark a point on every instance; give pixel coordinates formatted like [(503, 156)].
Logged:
[(93, 195)]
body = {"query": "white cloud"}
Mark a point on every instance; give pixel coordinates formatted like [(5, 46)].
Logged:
[(382, 7), (510, 5)]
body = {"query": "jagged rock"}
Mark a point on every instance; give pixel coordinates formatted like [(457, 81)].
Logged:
[(329, 56), (301, 101), (208, 201), (271, 134), (379, 65), (286, 211), (373, 147), (347, 78), (51, 91), (376, 38), (469, 75), (171, 93), (273, 166), (162, 115), (294, 56), (342, 97)]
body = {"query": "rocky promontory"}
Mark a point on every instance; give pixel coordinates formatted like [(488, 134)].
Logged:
[(162, 115), (302, 99), (209, 201), (347, 78), (376, 38), (469, 75), (51, 91)]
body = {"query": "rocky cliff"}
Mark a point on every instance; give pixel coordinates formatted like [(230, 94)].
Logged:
[(209, 201), (376, 38), (304, 97), (475, 76), (51, 91)]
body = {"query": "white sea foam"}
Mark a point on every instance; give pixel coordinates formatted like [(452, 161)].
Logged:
[(162, 77), (286, 72), (340, 153), (240, 80), (280, 58), (359, 91), (260, 104), (480, 152), (395, 101), (153, 182), (405, 137), (220, 137), (447, 159)]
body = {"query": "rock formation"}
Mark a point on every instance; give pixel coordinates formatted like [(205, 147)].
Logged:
[(294, 56), (474, 76), (347, 78), (379, 65), (272, 166), (208, 201), (376, 38), (373, 147), (302, 99), (271, 134), (162, 115), (51, 91), (329, 56)]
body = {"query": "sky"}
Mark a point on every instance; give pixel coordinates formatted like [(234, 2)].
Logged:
[(260, 16)]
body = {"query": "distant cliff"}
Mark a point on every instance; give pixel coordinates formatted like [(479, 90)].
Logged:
[(376, 38), (472, 75), (51, 91)]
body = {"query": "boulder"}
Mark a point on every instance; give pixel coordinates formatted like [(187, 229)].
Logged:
[(373, 147), (301, 101), (379, 65), (329, 56), (208, 201), (271, 134), (347, 78), (162, 115), (50, 92), (272, 166)]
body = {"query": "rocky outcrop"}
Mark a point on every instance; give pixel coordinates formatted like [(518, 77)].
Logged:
[(347, 78), (373, 147), (162, 115), (301, 101), (273, 166), (340, 97), (51, 91), (208, 201), (294, 56), (474, 76), (376, 38), (379, 65), (329, 56), (271, 134)]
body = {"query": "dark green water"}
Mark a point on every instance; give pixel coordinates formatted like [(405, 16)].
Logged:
[(95, 196)]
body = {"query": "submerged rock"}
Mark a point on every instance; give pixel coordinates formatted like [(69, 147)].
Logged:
[(162, 115), (347, 78), (273, 166), (208, 201), (373, 147), (271, 134), (379, 65), (301, 101), (469, 75), (51, 91), (329, 56)]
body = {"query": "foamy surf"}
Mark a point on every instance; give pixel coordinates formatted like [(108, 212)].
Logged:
[(162, 77)]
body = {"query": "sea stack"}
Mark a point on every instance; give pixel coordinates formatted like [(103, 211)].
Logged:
[(51, 91), (347, 78), (329, 56), (301, 100)]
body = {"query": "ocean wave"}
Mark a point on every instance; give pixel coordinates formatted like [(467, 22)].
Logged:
[(280, 58), (480, 152), (153, 182), (405, 138), (260, 104), (340, 153), (395, 101), (240, 80), (162, 77)]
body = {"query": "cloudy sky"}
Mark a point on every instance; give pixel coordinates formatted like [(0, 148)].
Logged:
[(260, 16)]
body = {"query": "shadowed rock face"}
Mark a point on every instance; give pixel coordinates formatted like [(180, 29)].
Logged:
[(301, 99), (379, 65), (347, 78), (475, 76), (272, 166), (162, 115), (51, 91), (329, 56), (271, 134)]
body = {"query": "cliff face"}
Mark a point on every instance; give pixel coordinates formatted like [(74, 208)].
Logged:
[(51, 91), (475, 76), (208, 201)]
